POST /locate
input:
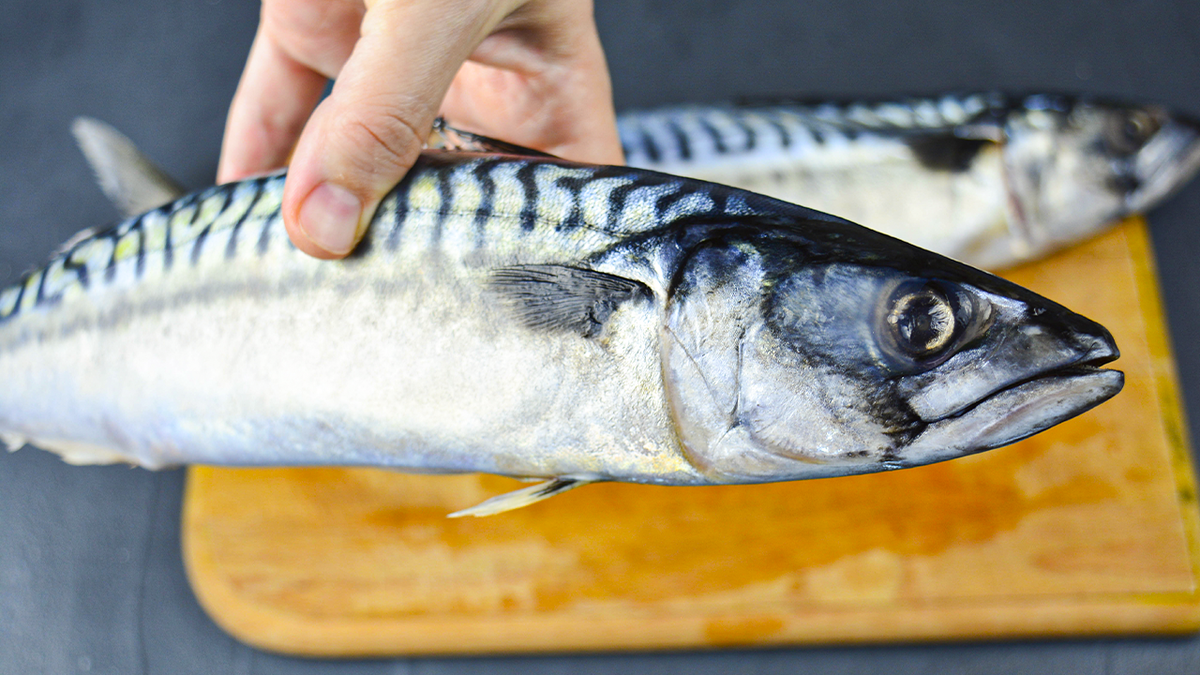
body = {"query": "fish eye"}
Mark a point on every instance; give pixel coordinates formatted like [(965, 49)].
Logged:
[(921, 321), (1128, 132)]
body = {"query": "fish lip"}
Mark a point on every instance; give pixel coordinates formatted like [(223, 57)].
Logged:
[(1027, 408), (1073, 371), (1101, 352)]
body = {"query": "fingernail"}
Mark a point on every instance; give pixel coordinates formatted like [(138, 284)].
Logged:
[(329, 218)]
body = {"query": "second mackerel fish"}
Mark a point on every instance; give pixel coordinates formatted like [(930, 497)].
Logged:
[(989, 179)]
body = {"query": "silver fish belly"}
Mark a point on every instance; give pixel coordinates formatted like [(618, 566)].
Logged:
[(989, 179), (532, 317)]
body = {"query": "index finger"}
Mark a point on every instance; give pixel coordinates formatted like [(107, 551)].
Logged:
[(364, 137), (274, 98)]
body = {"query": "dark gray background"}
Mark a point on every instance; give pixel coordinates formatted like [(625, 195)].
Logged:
[(90, 572)]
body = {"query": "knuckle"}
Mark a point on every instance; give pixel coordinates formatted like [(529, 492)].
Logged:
[(380, 140), (318, 34)]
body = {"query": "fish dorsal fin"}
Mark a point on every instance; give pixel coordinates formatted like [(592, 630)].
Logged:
[(128, 178), (561, 297), (446, 137), (523, 497), (80, 236)]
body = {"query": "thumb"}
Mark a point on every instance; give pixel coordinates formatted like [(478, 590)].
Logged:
[(365, 136)]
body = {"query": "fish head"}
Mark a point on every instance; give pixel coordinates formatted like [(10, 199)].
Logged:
[(1075, 165), (839, 350)]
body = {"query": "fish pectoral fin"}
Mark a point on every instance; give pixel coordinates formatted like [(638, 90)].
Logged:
[(561, 297), (523, 497), (945, 151), (128, 178), (446, 137)]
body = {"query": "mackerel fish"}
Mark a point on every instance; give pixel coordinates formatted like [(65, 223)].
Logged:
[(537, 318), (989, 179)]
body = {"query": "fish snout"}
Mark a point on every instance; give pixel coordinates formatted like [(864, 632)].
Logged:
[(1097, 348), (1167, 163)]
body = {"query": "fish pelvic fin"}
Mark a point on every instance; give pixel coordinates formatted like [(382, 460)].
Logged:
[(523, 497), (12, 441), (128, 178)]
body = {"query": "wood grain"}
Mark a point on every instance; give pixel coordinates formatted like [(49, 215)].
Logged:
[(1089, 528)]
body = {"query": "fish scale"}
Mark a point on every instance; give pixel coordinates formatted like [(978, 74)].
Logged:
[(549, 199), (145, 247), (560, 211), (416, 219), (532, 317)]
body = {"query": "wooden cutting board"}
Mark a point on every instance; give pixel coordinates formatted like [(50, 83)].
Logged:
[(1090, 528)]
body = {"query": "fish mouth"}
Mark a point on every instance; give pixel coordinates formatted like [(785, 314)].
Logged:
[(1102, 350), (1034, 404), (1165, 166), (1089, 364)]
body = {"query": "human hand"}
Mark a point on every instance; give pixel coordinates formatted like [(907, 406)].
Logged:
[(530, 72)]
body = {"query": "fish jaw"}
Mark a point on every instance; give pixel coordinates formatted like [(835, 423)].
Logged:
[(1006, 417), (1016, 413)]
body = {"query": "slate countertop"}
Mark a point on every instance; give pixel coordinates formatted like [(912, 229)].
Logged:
[(90, 572)]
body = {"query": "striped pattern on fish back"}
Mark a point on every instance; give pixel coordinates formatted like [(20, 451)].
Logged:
[(459, 203), (462, 203), (206, 227), (696, 134)]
